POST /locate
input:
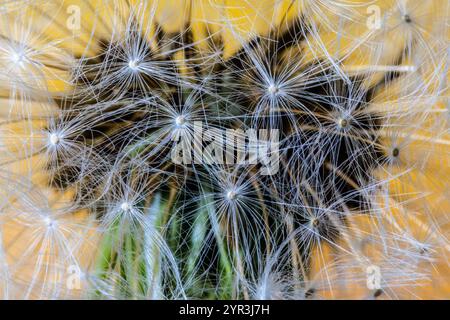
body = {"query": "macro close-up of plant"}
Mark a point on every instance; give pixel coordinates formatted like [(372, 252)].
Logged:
[(224, 149)]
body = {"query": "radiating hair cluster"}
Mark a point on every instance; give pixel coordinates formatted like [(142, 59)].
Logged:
[(293, 149)]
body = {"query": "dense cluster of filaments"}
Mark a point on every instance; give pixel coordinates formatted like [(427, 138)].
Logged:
[(113, 139)]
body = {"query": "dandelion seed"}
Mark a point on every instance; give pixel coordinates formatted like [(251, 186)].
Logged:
[(231, 195), (343, 123), (395, 152), (125, 206), (314, 222), (273, 89), (49, 223), (377, 293), (407, 18), (180, 121), (309, 293), (54, 139), (133, 64), (18, 59)]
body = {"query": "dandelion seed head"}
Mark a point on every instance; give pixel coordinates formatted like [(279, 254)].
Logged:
[(136, 86)]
